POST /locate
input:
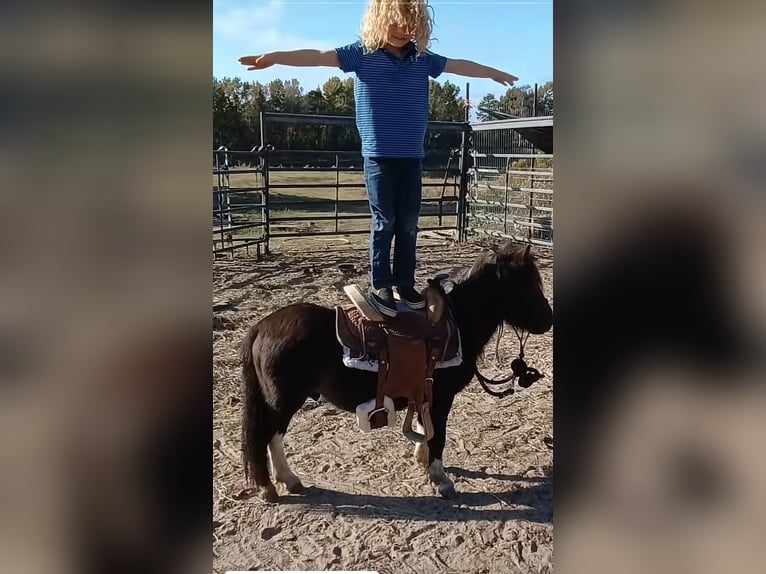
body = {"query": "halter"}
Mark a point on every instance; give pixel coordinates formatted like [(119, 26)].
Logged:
[(519, 369)]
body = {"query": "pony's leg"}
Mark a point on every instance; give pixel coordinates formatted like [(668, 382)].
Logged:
[(257, 431), (280, 468), (421, 449), (260, 473), (436, 473)]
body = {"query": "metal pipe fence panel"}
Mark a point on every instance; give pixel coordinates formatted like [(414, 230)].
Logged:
[(306, 179), (316, 178), (510, 184), (239, 202)]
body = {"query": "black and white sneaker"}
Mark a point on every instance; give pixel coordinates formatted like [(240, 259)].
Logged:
[(384, 301), (410, 296)]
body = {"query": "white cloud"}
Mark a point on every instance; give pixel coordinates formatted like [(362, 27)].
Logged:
[(237, 23), (256, 29), (259, 27)]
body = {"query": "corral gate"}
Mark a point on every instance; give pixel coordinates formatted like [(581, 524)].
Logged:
[(479, 180), (510, 183)]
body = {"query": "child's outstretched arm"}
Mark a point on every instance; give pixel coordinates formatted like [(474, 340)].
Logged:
[(292, 58), (474, 70)]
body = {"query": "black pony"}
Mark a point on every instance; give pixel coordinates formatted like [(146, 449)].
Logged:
[(293, 354)]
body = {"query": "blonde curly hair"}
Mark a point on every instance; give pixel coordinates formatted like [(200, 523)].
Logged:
[(412, 15)]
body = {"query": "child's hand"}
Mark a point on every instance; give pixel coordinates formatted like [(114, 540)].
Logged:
[(257, 62), (503, 78)]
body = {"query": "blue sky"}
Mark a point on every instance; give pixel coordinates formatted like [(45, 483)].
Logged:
[(514, 36)]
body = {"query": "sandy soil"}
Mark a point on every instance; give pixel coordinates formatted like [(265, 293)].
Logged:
[(369, 504)]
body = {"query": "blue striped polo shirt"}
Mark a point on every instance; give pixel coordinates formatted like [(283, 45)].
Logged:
[(391, 98)]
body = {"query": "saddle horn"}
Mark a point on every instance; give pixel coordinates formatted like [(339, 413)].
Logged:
[(434, 304)]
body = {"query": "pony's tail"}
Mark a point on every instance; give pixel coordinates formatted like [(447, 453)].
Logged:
[(253, 408)]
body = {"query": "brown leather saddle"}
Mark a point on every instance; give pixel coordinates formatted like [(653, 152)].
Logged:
[(405, 351)]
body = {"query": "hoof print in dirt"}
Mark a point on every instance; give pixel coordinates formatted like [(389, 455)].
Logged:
[(219, 306), (244, 494), (270, 532)]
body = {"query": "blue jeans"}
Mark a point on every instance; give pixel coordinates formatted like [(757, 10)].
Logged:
[(394, 188)]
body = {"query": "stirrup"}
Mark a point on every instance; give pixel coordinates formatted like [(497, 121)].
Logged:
[(365, 410), (424, 417)]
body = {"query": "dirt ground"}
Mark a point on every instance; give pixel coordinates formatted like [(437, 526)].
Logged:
[(368, 505)]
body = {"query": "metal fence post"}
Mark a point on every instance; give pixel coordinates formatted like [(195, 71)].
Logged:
[(505, 205), (531, 234), (462, 219), (266, 193), (337, 188), (223, 200)]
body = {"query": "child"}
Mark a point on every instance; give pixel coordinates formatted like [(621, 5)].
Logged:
[(392, 66)]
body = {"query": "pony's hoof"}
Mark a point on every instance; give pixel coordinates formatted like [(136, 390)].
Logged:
[(269, 494), (421, 454), (295, 487), (447, 490)]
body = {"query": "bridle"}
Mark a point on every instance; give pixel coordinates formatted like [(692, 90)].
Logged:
[(519, 369)]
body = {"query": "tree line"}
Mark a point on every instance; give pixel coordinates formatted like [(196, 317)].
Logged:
[(237, 106)]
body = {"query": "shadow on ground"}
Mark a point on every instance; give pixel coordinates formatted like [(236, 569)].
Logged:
[(533, 503)]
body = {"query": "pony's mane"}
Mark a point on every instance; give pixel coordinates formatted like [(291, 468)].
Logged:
[(507, 255), (480, 284)]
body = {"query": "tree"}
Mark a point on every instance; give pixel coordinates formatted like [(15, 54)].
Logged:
[(336, 97), (489, 102), (315, 102), (293, 97), (237, 106), (518, 101), (545, 104), (445, 103), (227, 113), (254, 103), (276, 96)]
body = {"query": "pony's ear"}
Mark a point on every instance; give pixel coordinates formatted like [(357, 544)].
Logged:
[(528, 253)]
